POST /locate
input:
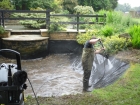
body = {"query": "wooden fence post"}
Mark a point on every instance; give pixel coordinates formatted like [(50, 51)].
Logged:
[(104, 19), (2, 18), (77, 21), (96, 18), (48, 19)]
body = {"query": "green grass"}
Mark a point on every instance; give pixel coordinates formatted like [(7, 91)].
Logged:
[(137, 20), (125, 91)]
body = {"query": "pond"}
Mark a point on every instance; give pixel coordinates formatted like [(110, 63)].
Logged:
[(61, 74), (51, 76)]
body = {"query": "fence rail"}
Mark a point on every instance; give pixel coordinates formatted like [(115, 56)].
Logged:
[(5, 15)]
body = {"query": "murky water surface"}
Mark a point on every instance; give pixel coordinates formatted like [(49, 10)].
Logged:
[(51, 76), (61, 74)]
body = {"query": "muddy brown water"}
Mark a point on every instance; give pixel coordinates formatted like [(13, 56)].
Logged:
[(61, 74), (51, 76)]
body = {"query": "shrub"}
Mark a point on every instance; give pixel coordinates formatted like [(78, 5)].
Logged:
[(83, 37), (1, 30), (56, 26), (37, 24), (84, 10), (114, 44), (118, 20), (69, 5), (101, 12), (34, 24), (134, 32), (5, 5), (107, 30)]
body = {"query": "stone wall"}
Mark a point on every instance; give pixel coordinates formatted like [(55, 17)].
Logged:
[(62, 42), (27, 49), (46, 43), (66, 35)]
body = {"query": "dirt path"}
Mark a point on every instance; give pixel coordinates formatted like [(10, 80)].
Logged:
[(131, 55)]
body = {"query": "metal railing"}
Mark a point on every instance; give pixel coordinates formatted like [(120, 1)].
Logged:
[(6, 15)]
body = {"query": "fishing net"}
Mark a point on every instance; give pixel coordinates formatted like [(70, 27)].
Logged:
[(104, 71)]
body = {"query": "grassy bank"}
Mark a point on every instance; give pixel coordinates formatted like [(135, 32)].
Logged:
[(125, 91)]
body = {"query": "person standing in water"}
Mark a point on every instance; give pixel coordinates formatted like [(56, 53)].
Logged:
[(87, 60)]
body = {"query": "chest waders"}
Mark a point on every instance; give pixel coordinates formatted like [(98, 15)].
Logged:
[(87, 63)]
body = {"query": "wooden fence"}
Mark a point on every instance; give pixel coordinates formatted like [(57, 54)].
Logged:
[(6, 15)]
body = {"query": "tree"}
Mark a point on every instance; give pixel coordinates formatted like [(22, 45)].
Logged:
[(83, 9), (114, 3), (22, 4), (45, 4), (99, 4), (136, 8), (27, 4), (124, 8), (69, 5), (6, 4)]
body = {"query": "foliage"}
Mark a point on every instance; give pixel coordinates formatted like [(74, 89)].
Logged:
[(114, 44), (99, 4), (119, 21), (107, 30), (134, 32), (120, 18), (22, 4), (123, 7), (69, 5), (45, 4), (57, 26), (32, 23), (37, 24), (114, 4), (114, 17), (83, 37), (6, 5), (1, 30), (83, 10), (52, 5), (101, 12)]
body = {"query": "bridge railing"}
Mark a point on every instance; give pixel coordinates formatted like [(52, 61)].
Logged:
[(6, 15)]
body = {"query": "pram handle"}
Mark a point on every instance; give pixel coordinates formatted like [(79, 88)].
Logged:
[(18, 59)]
